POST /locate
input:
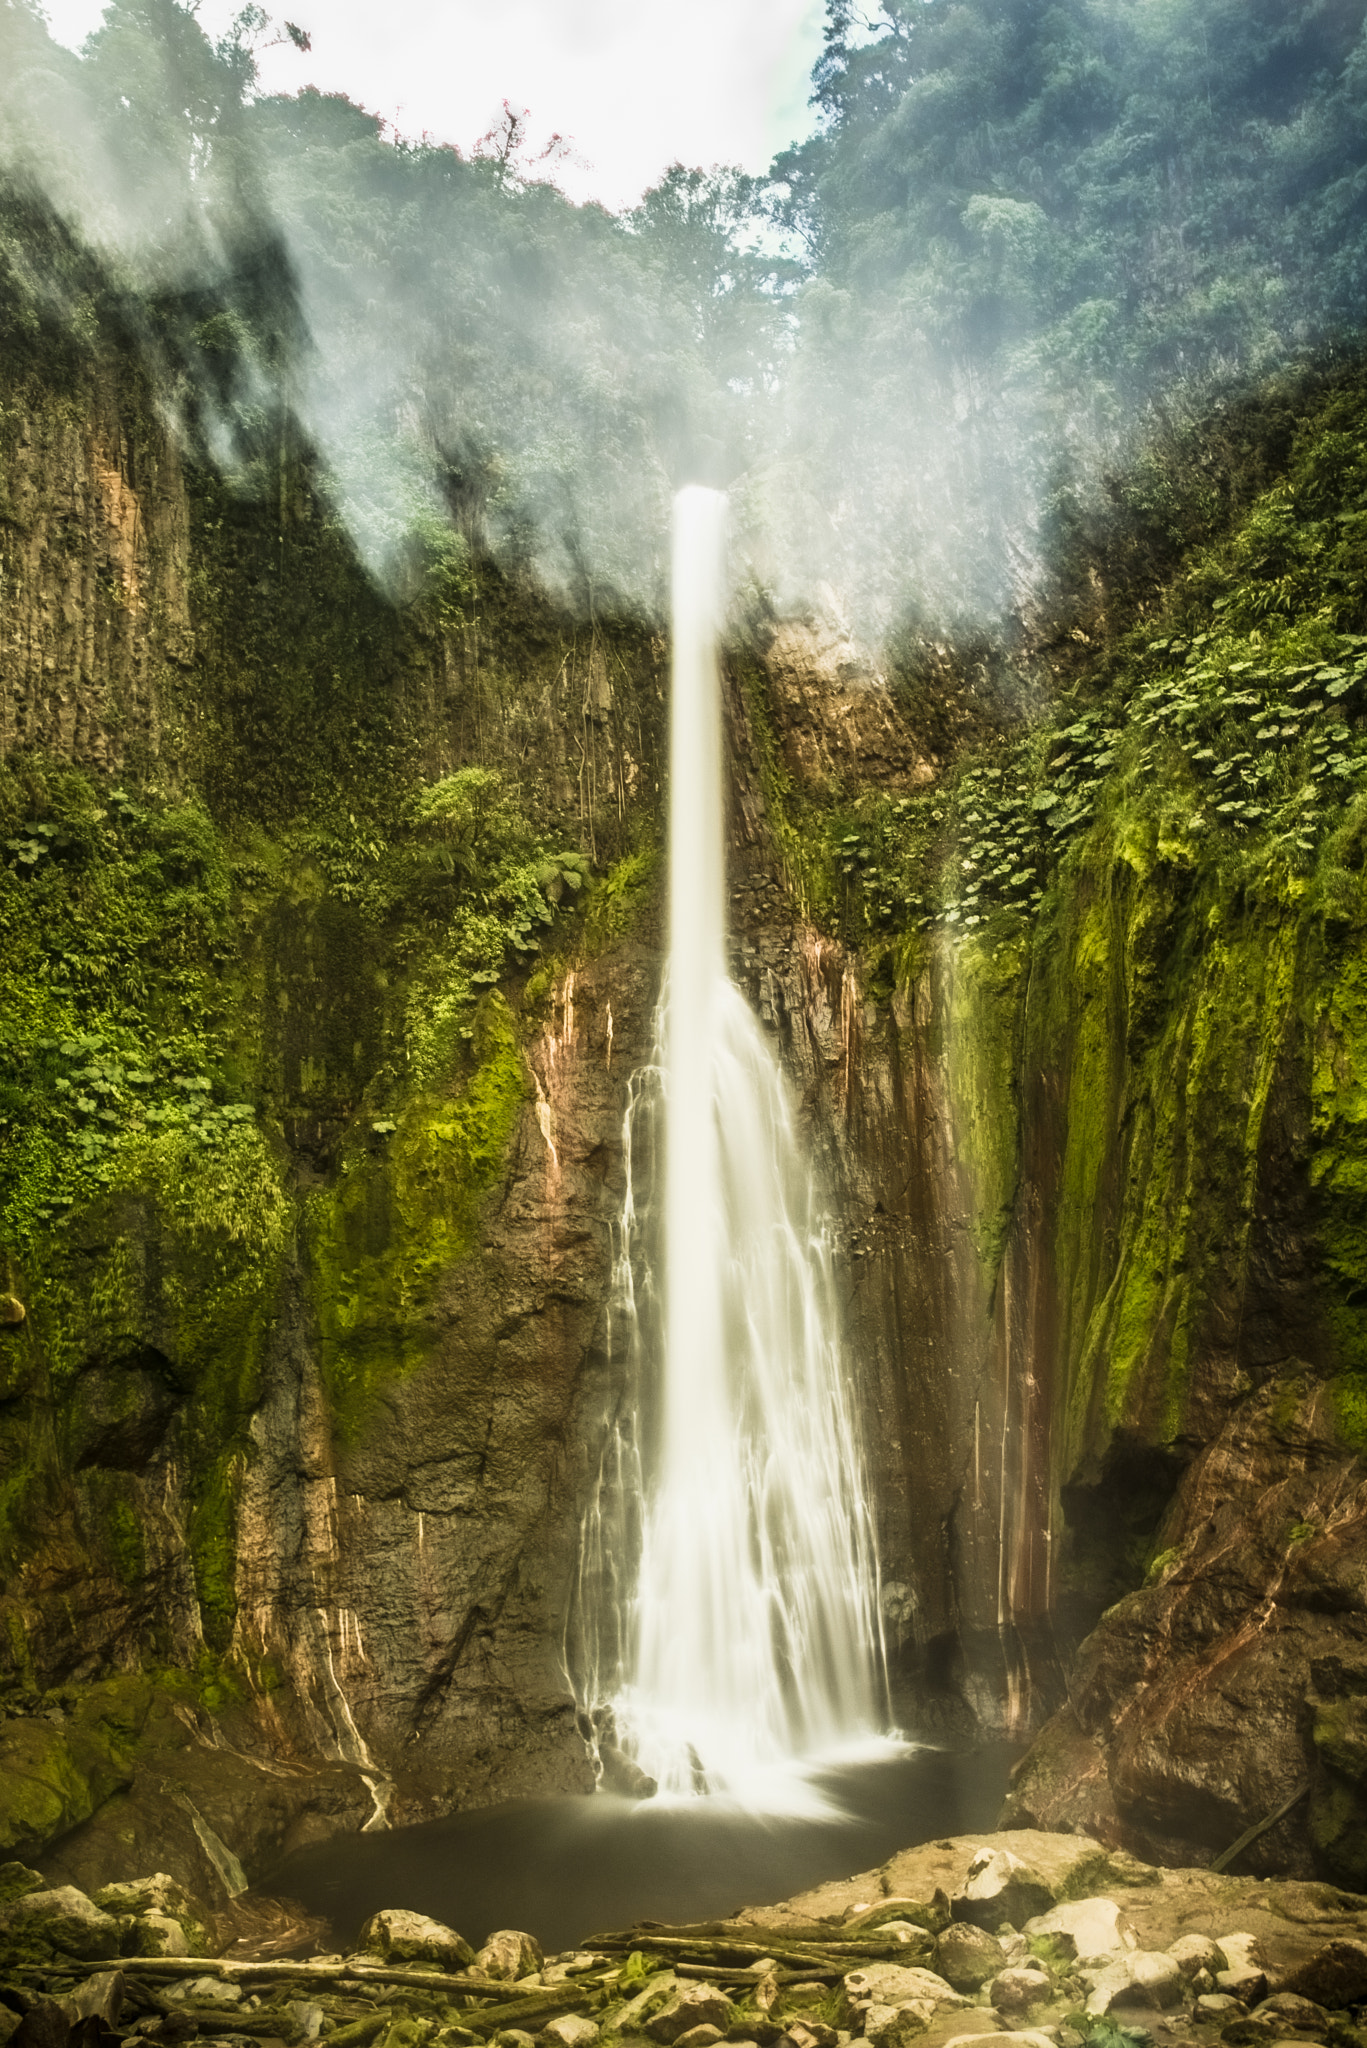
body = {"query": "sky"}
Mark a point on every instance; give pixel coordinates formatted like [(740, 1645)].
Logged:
[(635, 85)]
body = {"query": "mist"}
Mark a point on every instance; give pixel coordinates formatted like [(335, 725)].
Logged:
[(1021, 245)]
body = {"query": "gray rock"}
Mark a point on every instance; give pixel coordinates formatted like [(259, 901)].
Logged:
[(1155, 1978), (1335, 1976), (157, 1934), (99, 1998), (508, 1955), (692, 2005), (67, 1920), (1017, 1989), (1001, 1887), (897, 1983), (1194, 1953), (401, 1937), (308, 2018), (1083, 1929), (1283, 2016), (571, 2030), (967, 1956), (893, 2026), (803, 2033), (204, 1991), (1215, 2009), (705, 2037)]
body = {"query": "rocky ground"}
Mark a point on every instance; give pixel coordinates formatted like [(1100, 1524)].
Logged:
[(1049, 1941)]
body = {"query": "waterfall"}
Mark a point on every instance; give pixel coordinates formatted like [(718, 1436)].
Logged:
[(726, 1628)]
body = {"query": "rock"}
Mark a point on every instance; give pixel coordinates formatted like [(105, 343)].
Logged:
[(402, 1937), (513, 2037), (768, 1990), (507, 1955), (65, 1919), (906, 1933), (16, 1879), (154, 1901), (692, 2005), (1086, 1928), (1335, 1975), (705, 2037), (205, 1991), (1194, 1953), (1024, 2037), (572, 2030), (1016, 1990), (44, 2025), (1107, 1987), (892, 2026), (1215, 2009), (1001, 1886), (308, 2018), (157, 1934), (99, 1998), (896, 1984), (1245, 1978), (967, 1956), (1155, 1978), (1281, 2017), (804, 2033)]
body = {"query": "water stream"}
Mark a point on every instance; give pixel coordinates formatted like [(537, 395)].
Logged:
[(726, 1635)]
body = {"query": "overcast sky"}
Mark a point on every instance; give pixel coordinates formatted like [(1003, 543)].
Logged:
[(636, 84)]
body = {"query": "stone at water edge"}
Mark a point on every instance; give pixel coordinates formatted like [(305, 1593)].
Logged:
[(1282, 2016), (896, 1983), (1001, 1887), (308, 2018), (99, 1998), (157, 1934), (804, 2033), (1215, 2008), (508, 1955), (967, 1956), (700, 2037), (1016, 1990), (1155, 1978), (692, 2005), (401, 1937), (67, 1920), (1025, 2037), (204, 1991), (893, 2026), (1246, 1975), (571, 2030), (1335, 1975), (1194, 1953), (1086, 1928)]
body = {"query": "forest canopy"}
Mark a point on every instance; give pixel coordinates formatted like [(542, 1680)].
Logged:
[(1019, 236)]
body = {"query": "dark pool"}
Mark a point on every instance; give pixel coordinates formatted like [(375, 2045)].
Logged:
[(565, 1869)]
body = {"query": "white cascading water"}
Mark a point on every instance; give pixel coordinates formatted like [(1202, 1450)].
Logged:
[(749, 1645)]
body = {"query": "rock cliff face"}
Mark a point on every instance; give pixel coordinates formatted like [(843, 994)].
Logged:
[(298, 1426)]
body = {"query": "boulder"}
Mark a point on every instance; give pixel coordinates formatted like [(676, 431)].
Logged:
[(1282, 2017), (1086, 1928), (967, 1956), (1001, 1887), (895, 1984), (402, 1937), (64, 1919), (308, 2018), (692, 2005), (1245, 1976), (893, 2026), (707, 2037), (1194, 1953), (16, 1879), (508, 1955), (99, 1998), (572, 2030), (803, 2033), (1215, 2008), (157, 1934), (1016, 1990), (1107, 1987), (154, 1901), (204, 1991), (1023, 2037), (1336, 1975), (1155, 1978)]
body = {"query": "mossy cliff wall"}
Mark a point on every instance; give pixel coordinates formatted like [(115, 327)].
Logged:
[(330, 939), (321, 959)]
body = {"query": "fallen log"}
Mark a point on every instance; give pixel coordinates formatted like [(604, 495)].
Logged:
[(274, 1971)]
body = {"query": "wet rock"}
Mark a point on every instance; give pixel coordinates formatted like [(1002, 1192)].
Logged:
[(572, 2030), (514, 2037), (308, 2018), (805, 2033), (205, 1991), (1021, 2037), (895, 1984), (44, 2025), (65, 1919), (507, 1955), (99, 1998), (1281, 2017), (1245, 1976), (692, 2005), (1155, 1978), (1215, 2008), (623, 1775), (1016, 1990), (1195, 1953), (401, 1937), (1001, 1886), (1107, 1987), (16, 1880), (705, 2037), (1086, 1928), (157, 1901), (157, 1934), (768, 1991), (967, 1956), (1335, 1976), (892, 2026)]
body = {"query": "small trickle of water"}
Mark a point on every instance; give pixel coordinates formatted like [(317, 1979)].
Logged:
[(726, 1629)]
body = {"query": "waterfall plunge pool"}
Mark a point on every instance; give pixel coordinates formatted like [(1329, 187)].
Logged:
[(567, 1868)]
